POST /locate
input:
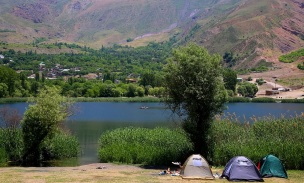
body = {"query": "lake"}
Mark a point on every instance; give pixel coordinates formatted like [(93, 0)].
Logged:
[(91, 119)]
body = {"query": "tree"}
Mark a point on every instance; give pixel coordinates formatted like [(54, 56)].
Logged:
[(196, 91), (3, 90), (41, 120), (230, 79), (9, 77), (247, 89), (147, 78)]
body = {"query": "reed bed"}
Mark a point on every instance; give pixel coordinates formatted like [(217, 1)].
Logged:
[(263, 100), (143, 146), (282, 137), (13, 100), (62, 146)]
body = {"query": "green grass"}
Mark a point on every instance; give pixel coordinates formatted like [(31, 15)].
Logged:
[(143, 146), (292, 57)]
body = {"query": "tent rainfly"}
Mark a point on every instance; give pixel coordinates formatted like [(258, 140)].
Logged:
[(271, 166), (241, 168), (196, 167)]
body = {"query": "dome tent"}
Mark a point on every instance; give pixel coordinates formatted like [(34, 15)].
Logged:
[(271, 166), (196, 167), (241, 168)]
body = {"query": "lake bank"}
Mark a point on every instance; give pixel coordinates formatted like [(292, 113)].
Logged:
[(111, 173), (162, 100)]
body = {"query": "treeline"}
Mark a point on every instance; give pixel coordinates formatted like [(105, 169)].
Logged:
[(119, 61), (13, 84)]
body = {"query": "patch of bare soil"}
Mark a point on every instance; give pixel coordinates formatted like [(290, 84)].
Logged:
[(282, 71)]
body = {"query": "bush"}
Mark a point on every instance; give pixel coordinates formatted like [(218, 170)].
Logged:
[(11, 142), (3, 156), (292, 56), (157, 146), (238, 99), (263, 100), (260, 81), (301, 66), (292, 100), (61, 146)]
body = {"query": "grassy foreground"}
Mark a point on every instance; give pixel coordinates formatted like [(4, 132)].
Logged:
[(111, 173)]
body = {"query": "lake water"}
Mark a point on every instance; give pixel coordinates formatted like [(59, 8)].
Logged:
[(91, 119)]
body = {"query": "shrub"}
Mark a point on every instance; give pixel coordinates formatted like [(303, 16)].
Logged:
[(263, 100), (61, 146), (11, 142), (301, 66), (3, 156), (292, 100), (238, 99), (157, 146), (292, 56)]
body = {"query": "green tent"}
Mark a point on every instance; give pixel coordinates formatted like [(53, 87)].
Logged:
[(271, 166)]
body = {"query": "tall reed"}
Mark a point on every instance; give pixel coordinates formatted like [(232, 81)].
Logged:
[(61, 146), (159, 146), (281, 137)]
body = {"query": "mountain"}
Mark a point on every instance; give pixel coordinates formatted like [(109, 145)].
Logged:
[(257, 31), (254, 31), (94, 22)]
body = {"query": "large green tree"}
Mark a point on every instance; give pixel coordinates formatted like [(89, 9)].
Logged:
[(230, 79), (247, 89), (196, 91), (41, 120), (8, 76)]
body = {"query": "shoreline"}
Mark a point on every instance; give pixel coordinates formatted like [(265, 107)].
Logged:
[(258, 99)]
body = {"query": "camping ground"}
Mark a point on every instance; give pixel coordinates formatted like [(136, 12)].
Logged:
[(106, 172)]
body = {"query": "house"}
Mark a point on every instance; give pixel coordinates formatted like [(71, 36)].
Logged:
[(239, 80), (41, 66), (131, 80), (90, 76)]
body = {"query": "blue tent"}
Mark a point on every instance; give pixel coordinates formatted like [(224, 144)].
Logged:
[(241, 168)]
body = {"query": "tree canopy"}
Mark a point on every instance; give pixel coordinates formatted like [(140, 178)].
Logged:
[(196, 91)]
